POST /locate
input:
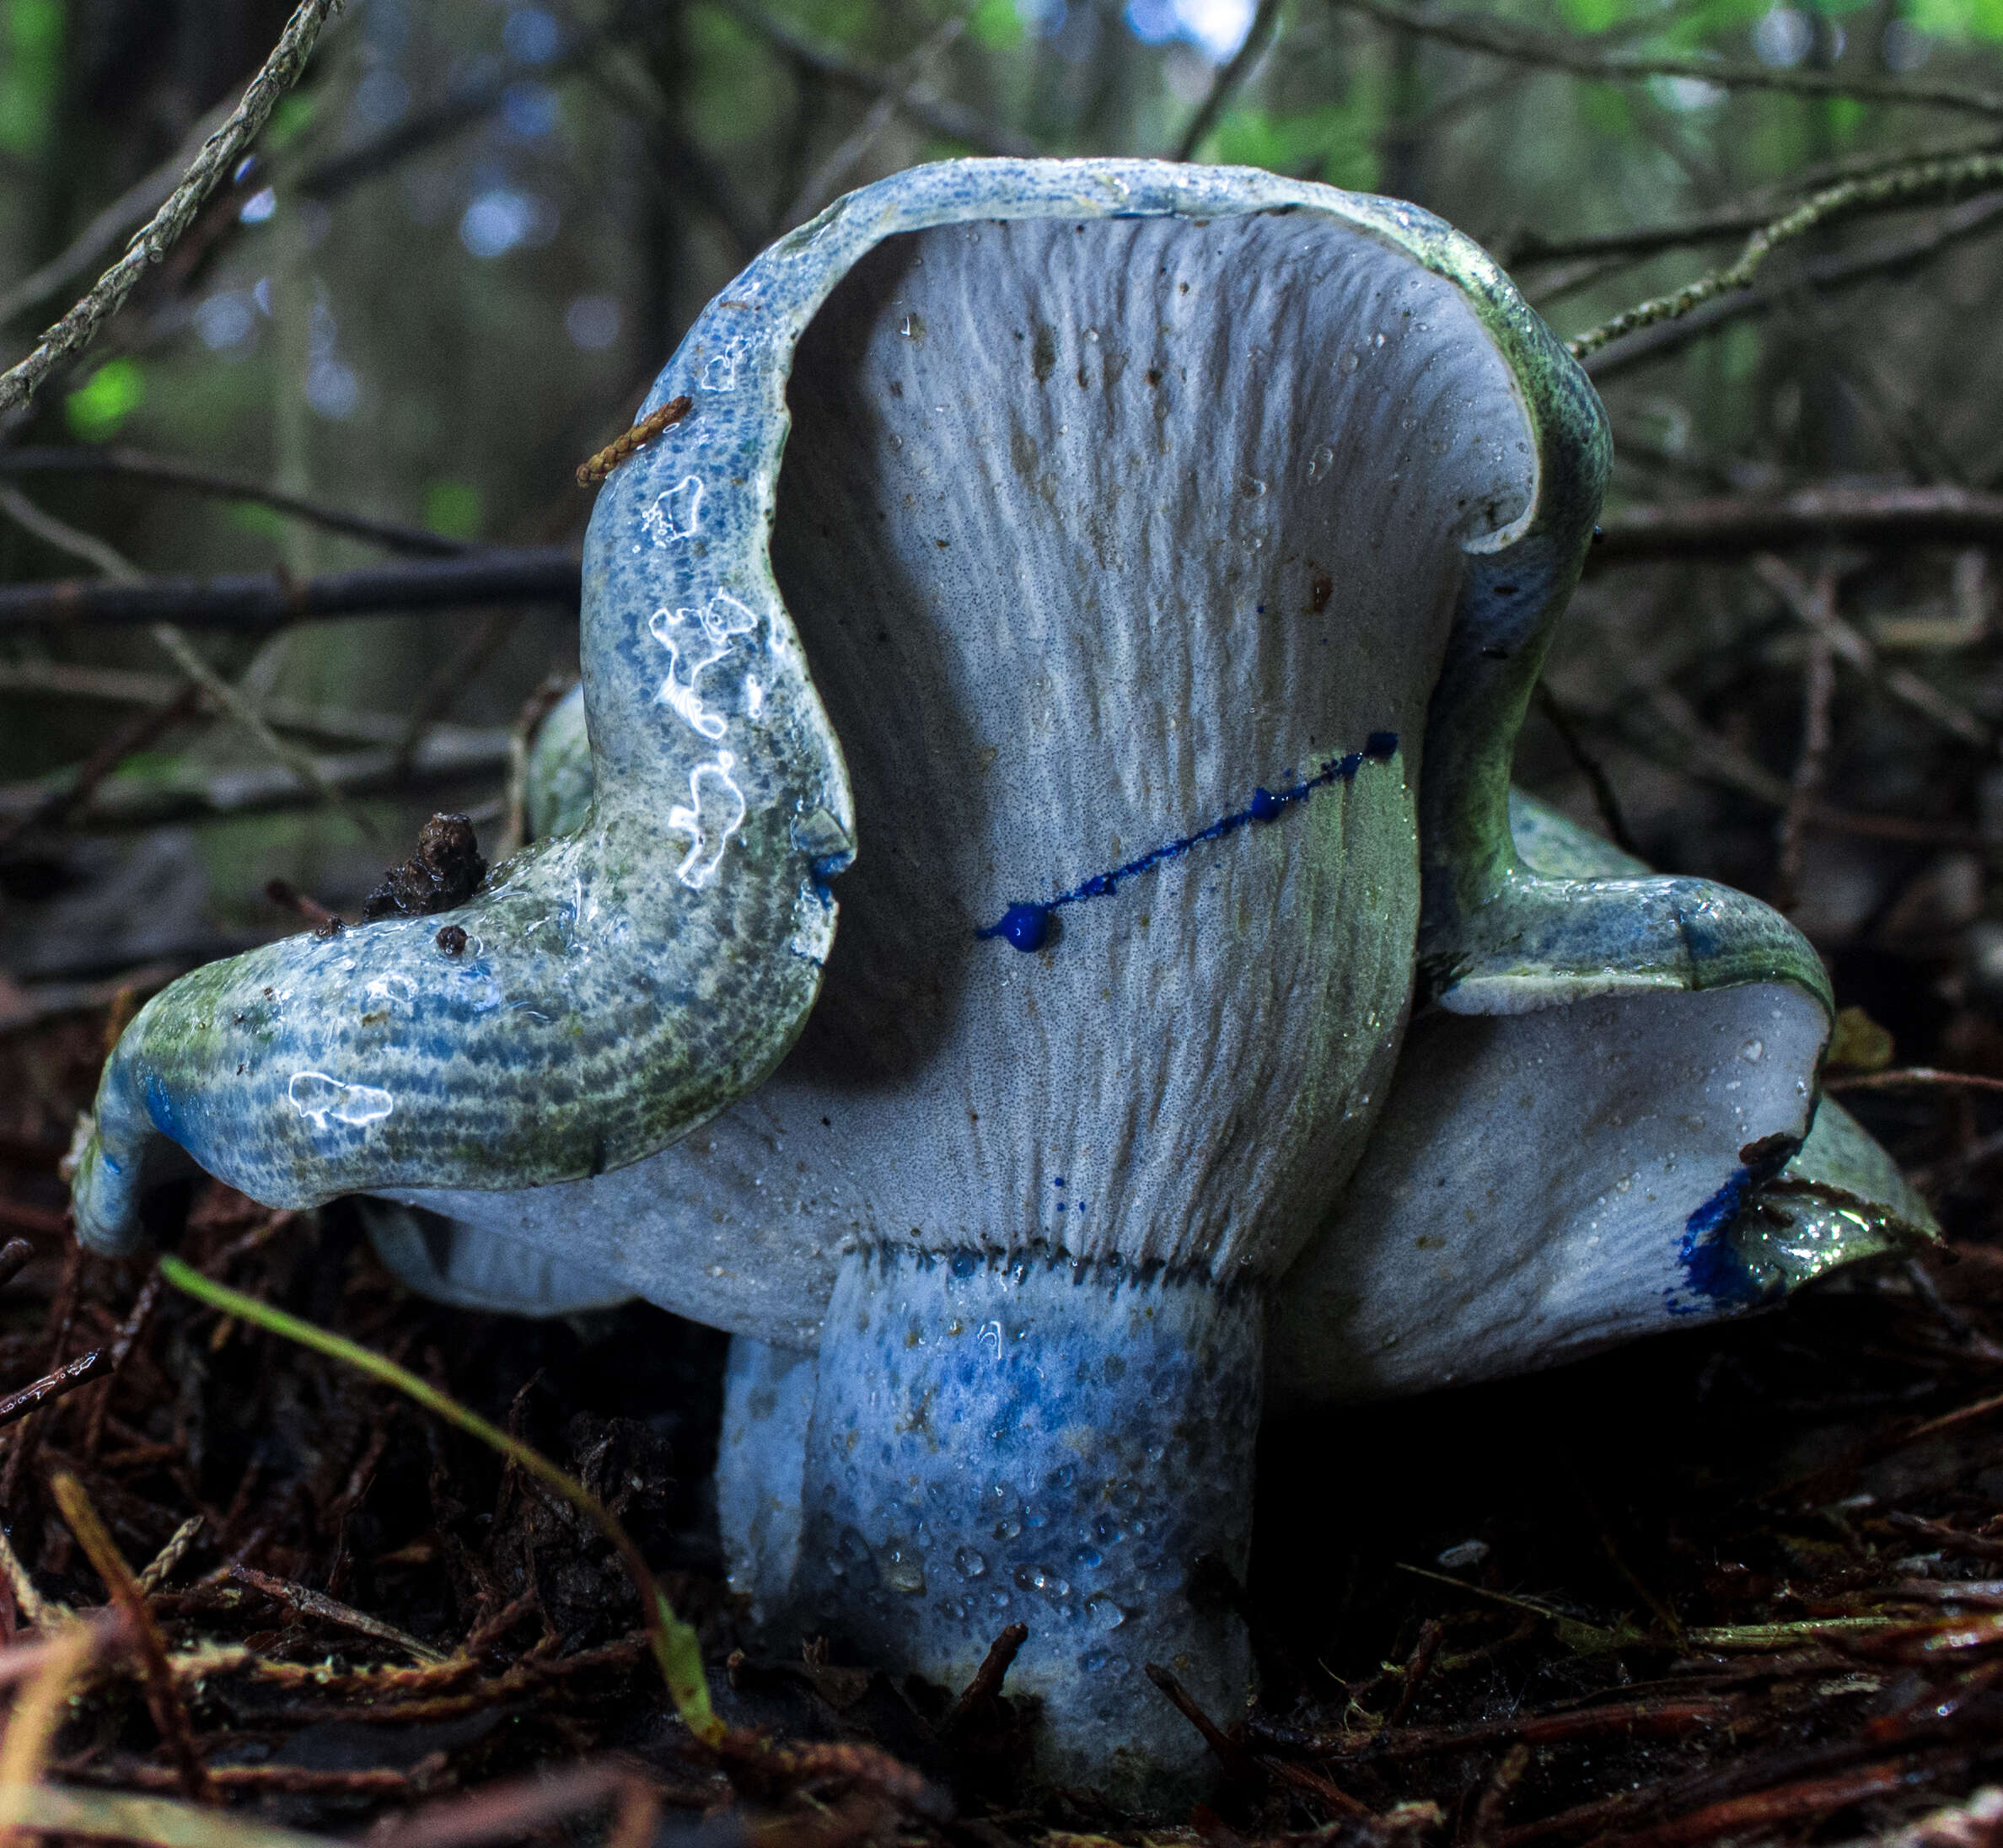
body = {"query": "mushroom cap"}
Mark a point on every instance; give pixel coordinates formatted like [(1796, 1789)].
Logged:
[(1543, 1185), (1133, 516), (1125, 516)]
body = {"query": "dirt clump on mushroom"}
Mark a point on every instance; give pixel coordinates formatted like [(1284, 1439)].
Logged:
[(444, 871)]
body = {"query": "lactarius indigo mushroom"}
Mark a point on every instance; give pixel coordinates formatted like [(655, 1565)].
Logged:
[(1173, 549), (1543, 1184)]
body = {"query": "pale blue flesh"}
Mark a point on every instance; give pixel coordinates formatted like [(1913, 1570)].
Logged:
[(1306, 868)]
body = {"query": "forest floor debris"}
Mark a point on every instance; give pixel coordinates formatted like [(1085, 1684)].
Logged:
[(1740, 1584)]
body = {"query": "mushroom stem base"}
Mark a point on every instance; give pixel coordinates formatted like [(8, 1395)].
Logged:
[(1000, 1440)]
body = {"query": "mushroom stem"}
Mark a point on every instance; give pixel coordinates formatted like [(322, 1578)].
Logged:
[(1003, 1440), (767, 1398)]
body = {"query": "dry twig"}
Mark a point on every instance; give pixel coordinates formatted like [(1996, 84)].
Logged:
[(59, 346), (1584, 57), (162, 1697), (1902, 185)]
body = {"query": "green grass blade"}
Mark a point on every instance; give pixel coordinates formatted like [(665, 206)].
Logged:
[(675, 1645)]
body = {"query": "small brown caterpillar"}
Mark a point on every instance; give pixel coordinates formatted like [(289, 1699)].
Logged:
[(616, 451)]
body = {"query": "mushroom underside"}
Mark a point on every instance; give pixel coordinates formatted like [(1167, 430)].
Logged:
[(1124, 554), (1143, 526)]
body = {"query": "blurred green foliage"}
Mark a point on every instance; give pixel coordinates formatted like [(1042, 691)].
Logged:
[(480, 228), (99, 407), (453, 508), (31, 72)]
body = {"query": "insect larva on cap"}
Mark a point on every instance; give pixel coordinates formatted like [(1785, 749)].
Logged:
[(616, 451)]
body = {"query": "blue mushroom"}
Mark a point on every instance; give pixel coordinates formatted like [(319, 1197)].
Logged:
[(1174, 549)]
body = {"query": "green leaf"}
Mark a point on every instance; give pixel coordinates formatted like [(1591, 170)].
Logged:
[(1958, 19), (998, 25), (105, 400), (30, 72), (453, 508), (290, 120), (1336, 143)]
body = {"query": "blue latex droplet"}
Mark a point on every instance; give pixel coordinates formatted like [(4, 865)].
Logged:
[(1266, 806), (1027, 927)]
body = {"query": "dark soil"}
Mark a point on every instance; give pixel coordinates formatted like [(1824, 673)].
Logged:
[(1741, 1583)]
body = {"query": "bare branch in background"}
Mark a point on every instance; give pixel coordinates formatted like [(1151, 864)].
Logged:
[(176, 644), (255, 604), (328, 179), (955, 122), (140, 732), (1889, 257), (1904, 185), (1812, 767), (1584, 57), (60, 344), (1707, 757), (1819, 616), (127, 686), (711, 189), (135, 465), (906, 76), (1225, 84), (449, 754), (1736, 526), (1604, 797), (137, 203), (1525, 248)]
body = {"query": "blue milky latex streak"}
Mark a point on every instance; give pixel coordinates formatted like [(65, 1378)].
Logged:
[(1116, 494)]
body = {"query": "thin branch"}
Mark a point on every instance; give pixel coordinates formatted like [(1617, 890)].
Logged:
[(677, 1648), (308, 1602), (163, 1698), (903, 79), (60, 346), (172, 642), (1710, 758), (1889, 257), (1818, 693), (448, 754), (138, 732), (136, 465), (1851, 646), (683, 162), (1526, 247), (1590, 767), (53, 1386), (955, 121), (122, 1345), (126, 686), (1930, 180), (1585, 58), (1731, 527), (59, 536), (255, 604), (1224, 85), (138, 202)]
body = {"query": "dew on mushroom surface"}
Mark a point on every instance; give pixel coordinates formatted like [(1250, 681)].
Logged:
[(1038, 1579), (901, 1567)]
